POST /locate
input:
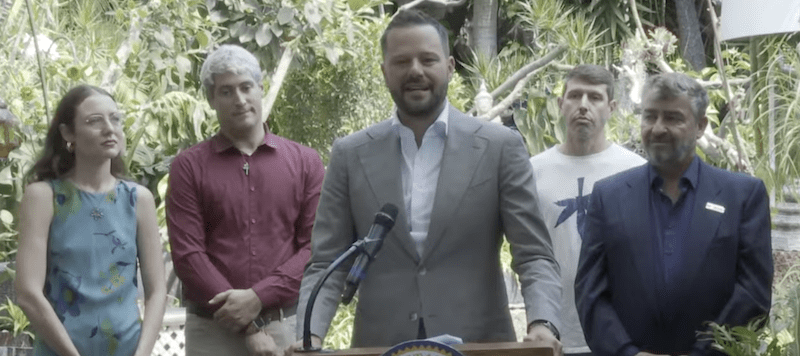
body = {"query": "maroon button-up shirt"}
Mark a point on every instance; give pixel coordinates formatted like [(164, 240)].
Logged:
[(236, 228)]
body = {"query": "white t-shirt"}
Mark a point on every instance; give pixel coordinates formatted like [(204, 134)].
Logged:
[(564, 184)]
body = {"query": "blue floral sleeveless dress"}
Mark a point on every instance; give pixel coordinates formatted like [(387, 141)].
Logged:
[(91, 269)]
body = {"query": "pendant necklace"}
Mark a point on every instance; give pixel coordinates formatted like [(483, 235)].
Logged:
[(246, 165)]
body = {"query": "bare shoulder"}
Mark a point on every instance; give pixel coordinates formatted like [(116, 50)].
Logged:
[(37, 203), (143, 194), (38, 192)]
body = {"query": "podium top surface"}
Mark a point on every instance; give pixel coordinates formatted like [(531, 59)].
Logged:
[(472, 349)]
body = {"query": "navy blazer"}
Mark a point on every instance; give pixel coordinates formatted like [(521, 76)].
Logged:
[(726, 272)]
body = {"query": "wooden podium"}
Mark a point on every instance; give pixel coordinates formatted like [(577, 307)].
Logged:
[(488, 349)]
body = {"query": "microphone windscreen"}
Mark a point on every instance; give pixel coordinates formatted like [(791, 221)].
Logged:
[(387, 215), (390, 209)]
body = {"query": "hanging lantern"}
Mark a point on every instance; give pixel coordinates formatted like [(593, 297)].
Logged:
[(745, 18)]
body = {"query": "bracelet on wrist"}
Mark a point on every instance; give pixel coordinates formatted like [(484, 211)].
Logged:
[(547, 324)]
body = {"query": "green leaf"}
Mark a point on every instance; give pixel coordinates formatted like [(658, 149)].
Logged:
[(219, 16), (285, 15), (6, 217), (158, 63), (277, 30), (26, 93), (312, 13), (162, 186), (263, 35), (166, 37), (202, 38), (332, 53), (183, 64), (7, 274), (74, 73), (357, 4), (248, 6), (247, 34), (198, 116)]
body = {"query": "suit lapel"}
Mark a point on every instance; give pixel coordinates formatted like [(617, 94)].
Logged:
[(463, 151), (705, 222), (381, 161)]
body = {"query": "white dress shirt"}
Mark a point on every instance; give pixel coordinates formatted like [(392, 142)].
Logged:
[(420, 173)]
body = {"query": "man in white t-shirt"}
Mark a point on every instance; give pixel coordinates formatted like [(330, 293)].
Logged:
[(566, 173)]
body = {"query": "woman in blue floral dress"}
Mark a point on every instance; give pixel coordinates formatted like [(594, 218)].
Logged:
[(94, 230)]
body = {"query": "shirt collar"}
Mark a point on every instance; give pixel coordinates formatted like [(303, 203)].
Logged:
[(690, 175), (440, 125), (220, 143)]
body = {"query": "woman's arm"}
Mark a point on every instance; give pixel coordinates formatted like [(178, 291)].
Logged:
[(152, 266), (36, 214)]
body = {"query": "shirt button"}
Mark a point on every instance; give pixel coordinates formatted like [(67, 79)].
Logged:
[(253, 221), (252, 189), (253, 253), (423, 271), (413, 317)]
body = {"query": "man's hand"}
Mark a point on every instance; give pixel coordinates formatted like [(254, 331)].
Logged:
[(541, 336), (261, 344), (240, 307), (315, 342)]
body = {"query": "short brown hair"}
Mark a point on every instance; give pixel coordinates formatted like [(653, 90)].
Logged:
[(592, 74), (412, 17)]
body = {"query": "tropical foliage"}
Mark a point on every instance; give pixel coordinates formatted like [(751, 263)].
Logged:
[(12, 318), (778, 335)]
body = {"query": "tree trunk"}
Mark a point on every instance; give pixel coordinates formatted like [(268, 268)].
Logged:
[(689, 34), (484, 27)]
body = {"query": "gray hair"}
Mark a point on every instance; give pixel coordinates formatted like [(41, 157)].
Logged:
[(672, 85), (229, 59)]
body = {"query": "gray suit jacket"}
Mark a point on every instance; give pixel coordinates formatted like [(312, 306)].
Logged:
[(486, 188)]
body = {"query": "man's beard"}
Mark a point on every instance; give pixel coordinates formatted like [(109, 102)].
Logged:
[(678, 155), (433, 103)]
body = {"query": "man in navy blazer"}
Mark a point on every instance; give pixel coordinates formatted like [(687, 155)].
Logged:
[(674, 243)]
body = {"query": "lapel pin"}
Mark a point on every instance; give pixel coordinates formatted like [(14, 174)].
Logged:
[(714, 207)]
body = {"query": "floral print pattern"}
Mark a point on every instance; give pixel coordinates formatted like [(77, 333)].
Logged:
[(68, 299), (66, 201), (92, 264)]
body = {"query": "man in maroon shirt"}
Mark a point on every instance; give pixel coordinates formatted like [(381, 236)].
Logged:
[(240, 208)]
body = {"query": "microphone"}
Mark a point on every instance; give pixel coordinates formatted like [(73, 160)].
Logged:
[(369, 246)]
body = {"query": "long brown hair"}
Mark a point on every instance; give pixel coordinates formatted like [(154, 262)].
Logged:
[(56, 160)]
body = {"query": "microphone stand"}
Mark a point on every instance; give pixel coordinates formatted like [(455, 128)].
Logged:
[(356, 247)]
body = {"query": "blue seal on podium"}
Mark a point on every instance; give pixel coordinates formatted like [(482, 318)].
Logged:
[(422, 348)]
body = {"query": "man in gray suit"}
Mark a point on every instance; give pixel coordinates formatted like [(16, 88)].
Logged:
[(461, 184)]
